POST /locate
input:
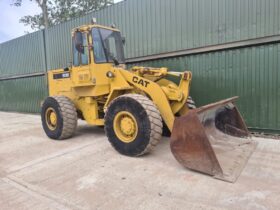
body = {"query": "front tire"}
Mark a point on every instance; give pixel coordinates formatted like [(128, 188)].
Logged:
[(59, 117), (133, 124)]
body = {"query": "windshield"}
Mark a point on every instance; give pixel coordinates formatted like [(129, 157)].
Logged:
[(108, 46)]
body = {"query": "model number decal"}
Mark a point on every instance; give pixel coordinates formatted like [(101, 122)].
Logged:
[(140, 81), (61, 75)]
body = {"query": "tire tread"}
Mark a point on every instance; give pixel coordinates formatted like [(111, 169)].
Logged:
[(69, 116)]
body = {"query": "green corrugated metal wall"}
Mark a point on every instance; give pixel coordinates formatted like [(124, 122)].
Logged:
[(251, 73), (23, 55), (158, 26), (22, 95)]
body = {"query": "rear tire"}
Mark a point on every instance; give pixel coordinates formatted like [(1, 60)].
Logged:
[(143, 124), (191, 105), (59, 117)]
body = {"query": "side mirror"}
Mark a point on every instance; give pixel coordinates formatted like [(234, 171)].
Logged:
[(78, 38), (123, 40)]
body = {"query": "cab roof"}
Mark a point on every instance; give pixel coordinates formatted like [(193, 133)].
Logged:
[(90, 26)]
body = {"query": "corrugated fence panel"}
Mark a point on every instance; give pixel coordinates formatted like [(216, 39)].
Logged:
[(251, 73), (150, 27), (23, 55), (156, 26), (23, 95)]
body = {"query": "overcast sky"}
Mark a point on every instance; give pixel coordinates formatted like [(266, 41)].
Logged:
[(10, 27)]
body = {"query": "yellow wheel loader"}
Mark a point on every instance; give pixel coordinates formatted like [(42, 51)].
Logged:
[(136, 105)]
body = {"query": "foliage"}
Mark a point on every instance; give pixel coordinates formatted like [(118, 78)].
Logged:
[(57, 11)]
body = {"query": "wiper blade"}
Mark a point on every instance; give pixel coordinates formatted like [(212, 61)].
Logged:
[(115, 61), (111, 56)]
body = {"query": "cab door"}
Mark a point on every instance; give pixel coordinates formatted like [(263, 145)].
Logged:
[(100, 65), (81, 75)]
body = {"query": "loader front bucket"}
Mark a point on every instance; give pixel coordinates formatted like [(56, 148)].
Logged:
[(213, 139)]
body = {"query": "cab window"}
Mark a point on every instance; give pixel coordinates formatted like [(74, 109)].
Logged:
[(76, 55), (80, 49), (84, 56), (98, 49), (108, 46)]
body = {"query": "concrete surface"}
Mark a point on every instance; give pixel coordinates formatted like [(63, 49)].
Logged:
[(85, 172)]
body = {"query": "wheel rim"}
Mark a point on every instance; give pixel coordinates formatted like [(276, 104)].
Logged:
[(125, 127), (51, 118)]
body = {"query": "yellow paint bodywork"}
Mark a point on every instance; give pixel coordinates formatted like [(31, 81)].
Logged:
[(91, 90), (168, 97)]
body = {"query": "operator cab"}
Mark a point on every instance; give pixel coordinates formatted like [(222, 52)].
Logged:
[(97, 44)]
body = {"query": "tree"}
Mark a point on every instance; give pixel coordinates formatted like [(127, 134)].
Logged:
[(57, 11)]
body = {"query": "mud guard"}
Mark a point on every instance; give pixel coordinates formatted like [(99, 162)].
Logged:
[(214, 140)]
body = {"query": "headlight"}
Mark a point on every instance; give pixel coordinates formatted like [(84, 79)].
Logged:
[(110, 74)]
